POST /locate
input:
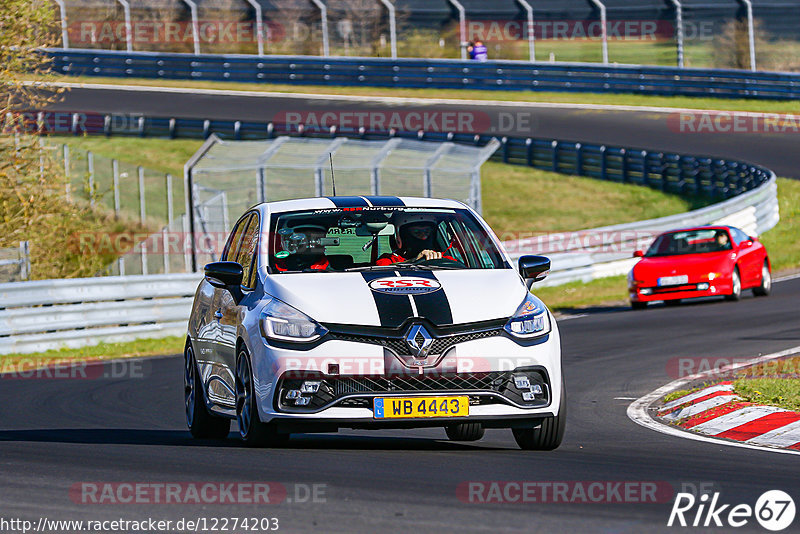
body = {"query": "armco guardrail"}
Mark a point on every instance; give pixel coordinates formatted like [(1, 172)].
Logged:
[(50, 314), (430, 73)]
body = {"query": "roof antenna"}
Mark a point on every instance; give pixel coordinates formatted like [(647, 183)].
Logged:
[(333, 178)]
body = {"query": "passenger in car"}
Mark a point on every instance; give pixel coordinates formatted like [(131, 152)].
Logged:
[(310, 254)]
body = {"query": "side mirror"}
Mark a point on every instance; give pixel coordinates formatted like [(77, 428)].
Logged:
[(534, 268), (638, 254), (225, 275)]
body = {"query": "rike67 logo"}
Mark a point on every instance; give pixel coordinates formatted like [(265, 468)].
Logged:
[(774, 510)]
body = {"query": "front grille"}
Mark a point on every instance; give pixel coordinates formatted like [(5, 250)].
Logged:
[(400, 347), (416, 383), (358, 391), (674, 289)]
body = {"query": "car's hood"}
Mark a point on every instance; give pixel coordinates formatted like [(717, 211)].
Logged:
[(347, 298), (657, 266)]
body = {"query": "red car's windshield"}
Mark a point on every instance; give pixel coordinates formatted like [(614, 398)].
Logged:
[(690, 242)]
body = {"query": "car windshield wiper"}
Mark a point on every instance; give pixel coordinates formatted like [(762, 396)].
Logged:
[(369, 268), (436, 267)]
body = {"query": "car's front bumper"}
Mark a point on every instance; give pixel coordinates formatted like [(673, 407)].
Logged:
[(650, 292), (376, 369)]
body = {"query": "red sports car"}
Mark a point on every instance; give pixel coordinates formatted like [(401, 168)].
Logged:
[(700, 262)]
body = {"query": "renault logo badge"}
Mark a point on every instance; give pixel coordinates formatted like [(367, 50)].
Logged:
[(419, 341)]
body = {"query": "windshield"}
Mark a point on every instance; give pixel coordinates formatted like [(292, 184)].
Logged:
[(690, 242), (379, 238)]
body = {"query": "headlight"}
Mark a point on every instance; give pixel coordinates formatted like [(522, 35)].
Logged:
[(530, 320), (282, 322)]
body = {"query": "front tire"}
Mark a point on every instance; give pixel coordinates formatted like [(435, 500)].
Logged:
[(201, 423), (548, 435), (253, 432), (736, 286), (464, 431), (766, 282)]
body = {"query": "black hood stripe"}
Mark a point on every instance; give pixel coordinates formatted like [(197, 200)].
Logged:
[(349, 202), (393, 310), (432, 306), (386, 202)]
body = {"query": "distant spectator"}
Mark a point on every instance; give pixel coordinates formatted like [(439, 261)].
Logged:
[(479, 51), (471, 50)]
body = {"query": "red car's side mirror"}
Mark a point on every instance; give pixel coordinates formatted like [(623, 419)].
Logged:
[(638, 254)]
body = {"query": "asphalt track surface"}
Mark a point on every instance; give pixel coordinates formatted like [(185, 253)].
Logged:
[(55, 433), (637, 129)]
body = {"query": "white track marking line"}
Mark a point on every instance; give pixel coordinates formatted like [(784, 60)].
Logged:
[(696, 395), (700, 407), (779, 437), (731, 420), (639, 414), (787, 278), (563, 318), (396, 100)]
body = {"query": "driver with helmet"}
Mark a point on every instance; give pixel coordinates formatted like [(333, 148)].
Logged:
[(414, 240)]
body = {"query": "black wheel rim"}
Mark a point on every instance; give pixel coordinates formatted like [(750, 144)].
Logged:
[(189, 386), (243, 395)]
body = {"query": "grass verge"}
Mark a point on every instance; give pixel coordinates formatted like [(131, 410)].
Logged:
[(103, 351), (608, 291), (783, 241), (781, 392), (669, 397), (462, 94)]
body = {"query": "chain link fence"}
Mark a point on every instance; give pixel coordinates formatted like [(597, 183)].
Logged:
[(697, 33), (153, 199)]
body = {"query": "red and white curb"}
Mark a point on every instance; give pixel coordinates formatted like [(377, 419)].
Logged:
[(716, 412)]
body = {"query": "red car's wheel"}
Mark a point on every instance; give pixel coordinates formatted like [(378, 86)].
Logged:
[(736, 286), (766, 282)]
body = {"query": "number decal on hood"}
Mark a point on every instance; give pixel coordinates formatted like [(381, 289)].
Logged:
[(405, 285)]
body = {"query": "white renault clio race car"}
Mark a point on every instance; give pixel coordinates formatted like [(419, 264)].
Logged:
[(371, 313)]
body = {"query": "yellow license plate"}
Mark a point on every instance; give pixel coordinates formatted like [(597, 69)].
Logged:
[(406, 407)]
